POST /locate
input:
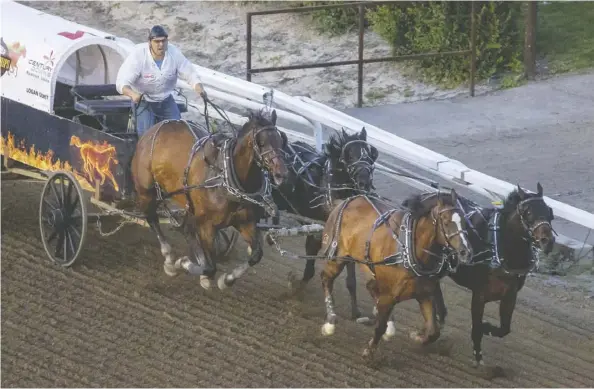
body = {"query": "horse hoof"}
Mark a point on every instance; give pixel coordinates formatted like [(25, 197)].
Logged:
[(294, 284), (205, 282), (416, 337), (170, 269), (390, 331), (364, 320), (328, 329), (223, 283), (478, 363), (367, 354)]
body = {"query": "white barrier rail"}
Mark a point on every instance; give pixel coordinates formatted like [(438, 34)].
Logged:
[(312, 114), (389, 144)]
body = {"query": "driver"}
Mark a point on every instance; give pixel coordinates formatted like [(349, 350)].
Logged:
[(152, 70)]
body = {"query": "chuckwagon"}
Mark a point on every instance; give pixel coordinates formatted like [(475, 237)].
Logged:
[(63, 121)]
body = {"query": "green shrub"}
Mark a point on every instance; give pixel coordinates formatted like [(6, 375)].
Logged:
[(420, 27), (333, 21)]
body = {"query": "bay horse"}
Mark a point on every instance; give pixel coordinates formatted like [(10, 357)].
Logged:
[(222, 180), (505, 242), (317, 180), (401, 252)]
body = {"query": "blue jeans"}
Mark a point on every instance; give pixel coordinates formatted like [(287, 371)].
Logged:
[(149, 113)]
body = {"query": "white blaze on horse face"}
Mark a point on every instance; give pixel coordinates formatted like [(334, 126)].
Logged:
[(458, 221)]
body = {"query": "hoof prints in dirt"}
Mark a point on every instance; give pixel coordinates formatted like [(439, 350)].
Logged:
[(116, 320)]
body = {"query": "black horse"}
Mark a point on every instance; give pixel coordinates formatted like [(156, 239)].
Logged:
[(505, 242), (317, 180)]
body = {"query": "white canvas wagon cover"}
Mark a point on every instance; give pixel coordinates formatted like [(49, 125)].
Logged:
[(39, 49)]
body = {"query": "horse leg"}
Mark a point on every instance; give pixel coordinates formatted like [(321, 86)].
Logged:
[(252, 235), (351, 284), (439, 305), (477, 310), (373, 290), (201, 249), (331, 271), (506, 310), (431, 331), (148, 203), (385, 305), (312, 247)]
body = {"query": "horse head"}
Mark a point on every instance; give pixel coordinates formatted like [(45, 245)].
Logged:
[(448, 220), (451, 225), (352, 158), (267, 144), (529, 216)]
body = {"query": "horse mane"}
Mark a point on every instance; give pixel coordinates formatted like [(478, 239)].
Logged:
[(511, 202), (337, 141), (259, 118), (421, 204)]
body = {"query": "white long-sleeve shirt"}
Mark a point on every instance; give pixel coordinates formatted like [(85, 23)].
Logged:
[(140, 72)]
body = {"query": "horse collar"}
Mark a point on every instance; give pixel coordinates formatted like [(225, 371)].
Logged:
[(493, 239), (234, 187)]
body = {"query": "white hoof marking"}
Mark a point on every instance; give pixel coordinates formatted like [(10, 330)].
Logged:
[(328, 329), (390, 331), (166, 249), (221, 282), (170, 269), (414, 335), (363, 320), (205, 282)]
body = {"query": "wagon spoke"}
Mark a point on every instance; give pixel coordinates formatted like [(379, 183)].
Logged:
[(65, 248), (60, 243), (64, 202), (71, 243), (75, 230), (55, 192), (73, 206), (52, 236), (69, 193), (49, 204)]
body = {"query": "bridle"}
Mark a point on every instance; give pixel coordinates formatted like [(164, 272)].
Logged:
[(532, 229), (447, 237), (530, 239), (262, 160), (365, 161)]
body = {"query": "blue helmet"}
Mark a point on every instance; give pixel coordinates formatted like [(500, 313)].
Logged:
[(157, 32)]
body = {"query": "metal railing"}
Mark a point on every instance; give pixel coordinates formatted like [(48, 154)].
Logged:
[(360, 61)]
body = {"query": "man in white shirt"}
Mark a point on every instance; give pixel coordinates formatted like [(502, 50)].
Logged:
[(152, 70)]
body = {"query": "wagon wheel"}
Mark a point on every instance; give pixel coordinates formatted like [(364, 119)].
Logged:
[(224, 241), (62, 218)]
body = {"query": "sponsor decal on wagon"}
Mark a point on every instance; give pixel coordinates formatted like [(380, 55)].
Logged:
[(42, 69), (11, 54)]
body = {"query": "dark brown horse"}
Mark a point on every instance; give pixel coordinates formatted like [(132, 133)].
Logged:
[(318, 180), (221, 180), (401, 253), (505, 242)]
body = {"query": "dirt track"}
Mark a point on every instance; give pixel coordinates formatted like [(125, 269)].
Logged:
[(116, 319)]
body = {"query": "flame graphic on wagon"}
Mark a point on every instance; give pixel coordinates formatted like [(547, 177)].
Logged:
[(97, 160)]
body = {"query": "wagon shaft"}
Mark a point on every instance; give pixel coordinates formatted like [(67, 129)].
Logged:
[(296, 231)]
